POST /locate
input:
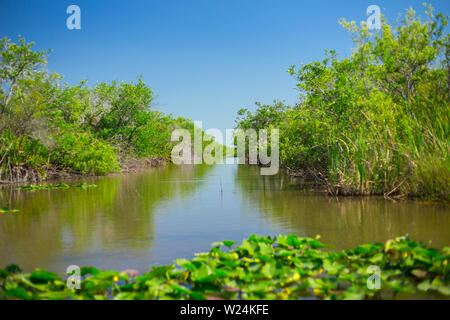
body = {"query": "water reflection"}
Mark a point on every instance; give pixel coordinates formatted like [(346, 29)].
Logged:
[(289, 206), (151, 218), (107, 225)]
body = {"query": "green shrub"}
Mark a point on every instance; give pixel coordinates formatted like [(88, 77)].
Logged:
[(83, 153), (21, 152), (377, 122)]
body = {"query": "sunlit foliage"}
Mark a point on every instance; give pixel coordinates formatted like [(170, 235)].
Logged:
[(376, 122)]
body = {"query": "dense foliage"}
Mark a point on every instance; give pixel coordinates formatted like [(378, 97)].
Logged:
[(376, 122), (284, 267), (47, 124)]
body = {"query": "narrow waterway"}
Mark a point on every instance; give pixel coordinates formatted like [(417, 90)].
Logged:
[(153, 217)]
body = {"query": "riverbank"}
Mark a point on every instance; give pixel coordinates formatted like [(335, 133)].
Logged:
[(374, 123), (135, 220), (339, 190), (50, 129), (127, 164)]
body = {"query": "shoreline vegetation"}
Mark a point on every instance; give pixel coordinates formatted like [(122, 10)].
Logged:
[(131, 165), (50, 129), (281, 268), (376, 122)]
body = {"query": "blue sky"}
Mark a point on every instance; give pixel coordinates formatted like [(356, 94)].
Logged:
[(205, 59)]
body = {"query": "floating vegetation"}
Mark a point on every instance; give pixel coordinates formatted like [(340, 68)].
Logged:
[(55, 186), (85, 185), (283, 267), (8, 210)]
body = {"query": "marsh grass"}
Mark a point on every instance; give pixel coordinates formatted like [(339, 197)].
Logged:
[(376, 123)]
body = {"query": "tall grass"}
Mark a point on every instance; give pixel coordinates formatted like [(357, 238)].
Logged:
[(376, 122)]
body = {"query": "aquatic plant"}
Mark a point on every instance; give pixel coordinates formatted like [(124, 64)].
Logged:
[(283, 267), (8, 210), (34, 187)]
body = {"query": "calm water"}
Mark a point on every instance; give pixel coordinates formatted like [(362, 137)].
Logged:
[(151, 218)]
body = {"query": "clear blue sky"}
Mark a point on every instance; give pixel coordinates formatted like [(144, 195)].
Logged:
[(205, 59)]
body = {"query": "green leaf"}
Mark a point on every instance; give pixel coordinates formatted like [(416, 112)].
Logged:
[(13, 268), (89, 270), (249, 247), (424, 285), (228, 243), (269, 270), (377, 258), (445, 290), (40, 275)]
